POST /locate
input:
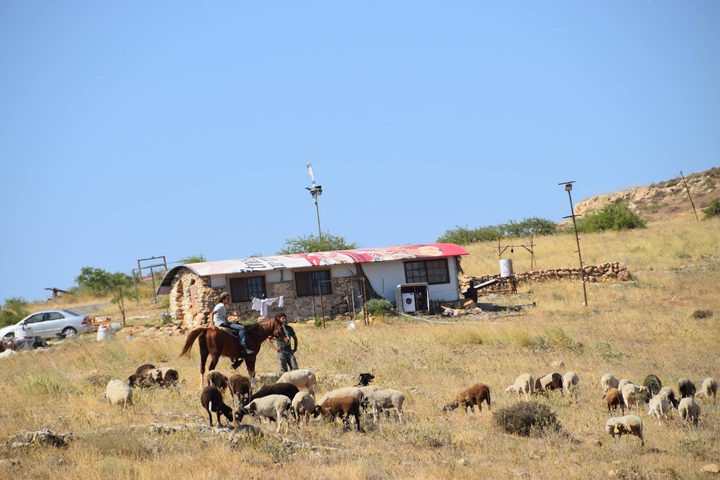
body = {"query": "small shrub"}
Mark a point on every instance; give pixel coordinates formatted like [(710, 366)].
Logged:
[(712, 210), (524, 418), (613, 216), (700, 314), (606, 351), (379, 306)]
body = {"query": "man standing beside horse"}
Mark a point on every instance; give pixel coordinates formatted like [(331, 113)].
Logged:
[(219, 318)]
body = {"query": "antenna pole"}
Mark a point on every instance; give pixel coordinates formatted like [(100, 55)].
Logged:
[(568, 188), (689, 196), (317, 211)]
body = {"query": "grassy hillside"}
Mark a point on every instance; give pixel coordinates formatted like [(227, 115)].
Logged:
[(632, 329)]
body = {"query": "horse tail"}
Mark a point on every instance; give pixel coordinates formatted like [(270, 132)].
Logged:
[(192, 336)]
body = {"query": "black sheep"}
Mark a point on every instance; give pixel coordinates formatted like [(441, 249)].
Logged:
[(653, 384), (686, 387), (212, 401), (287, 389)]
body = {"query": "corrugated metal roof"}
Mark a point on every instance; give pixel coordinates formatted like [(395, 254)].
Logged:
[(316, 259)]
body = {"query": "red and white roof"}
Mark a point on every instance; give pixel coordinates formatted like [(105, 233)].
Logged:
[(316, 259)]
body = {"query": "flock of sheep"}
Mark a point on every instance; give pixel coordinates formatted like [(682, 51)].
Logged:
[(626, 394), (280, 401)]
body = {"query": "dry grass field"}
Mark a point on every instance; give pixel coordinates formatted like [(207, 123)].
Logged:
[(632, 329)]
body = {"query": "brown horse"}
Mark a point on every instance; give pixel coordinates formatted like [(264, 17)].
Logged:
[(215, 342)]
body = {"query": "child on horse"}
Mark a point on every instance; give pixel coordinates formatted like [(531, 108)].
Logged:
[(219, 318)]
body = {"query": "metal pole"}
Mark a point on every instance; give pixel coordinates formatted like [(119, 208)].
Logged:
[(317, 211), (152, 276), (135, 283), (689, 196), (568, 188)]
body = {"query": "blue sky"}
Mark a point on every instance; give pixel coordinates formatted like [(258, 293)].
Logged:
[(132, 129)]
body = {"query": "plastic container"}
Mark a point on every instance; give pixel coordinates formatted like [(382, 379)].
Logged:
[(506, 268)]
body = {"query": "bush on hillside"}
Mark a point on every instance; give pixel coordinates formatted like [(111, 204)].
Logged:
[(524, 418), (523, 228), (14, 310), (712, 210), (613, 216), (311, 243)]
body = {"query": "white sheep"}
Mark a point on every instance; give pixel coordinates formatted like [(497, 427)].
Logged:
[(630, 394), (524, 384), (570, 381), (385, 399), (629, 424), (709, 388), (659, 406), (271, 406), (303, 378), (118, 392), (624, 382), (689, 410), (608, 381), (303, 405)]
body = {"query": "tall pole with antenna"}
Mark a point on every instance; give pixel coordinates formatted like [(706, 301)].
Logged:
[(568, 188), (315, 191)]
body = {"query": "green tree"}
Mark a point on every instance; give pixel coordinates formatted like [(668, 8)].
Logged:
[(613, 216), (523, 228), (712, 210), (14, 310), (193, 259), (102, 282), (311, 243)]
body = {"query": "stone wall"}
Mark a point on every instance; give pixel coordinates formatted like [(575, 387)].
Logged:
[(188, 286), (605, 272)]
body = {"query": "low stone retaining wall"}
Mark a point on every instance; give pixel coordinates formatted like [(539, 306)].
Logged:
[(604, 272)]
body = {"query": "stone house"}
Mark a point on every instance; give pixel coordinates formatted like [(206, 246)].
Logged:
[(312, 284)]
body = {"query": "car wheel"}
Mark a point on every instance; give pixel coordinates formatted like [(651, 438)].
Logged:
[(69, 332)]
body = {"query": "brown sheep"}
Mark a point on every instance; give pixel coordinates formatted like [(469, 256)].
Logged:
[(212, 401), (614, 399), (470, 397), (341, 407), (239, 388), (218, 379)]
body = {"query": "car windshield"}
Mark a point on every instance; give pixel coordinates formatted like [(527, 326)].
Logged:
[(72, 313)]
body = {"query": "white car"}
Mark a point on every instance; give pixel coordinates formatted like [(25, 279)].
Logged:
[(47, 324)]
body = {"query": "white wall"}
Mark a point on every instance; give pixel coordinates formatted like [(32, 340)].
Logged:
[(393, 273)]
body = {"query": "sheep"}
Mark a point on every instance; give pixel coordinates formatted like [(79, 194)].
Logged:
[(143, 376), (365, 379), (469, 397), (689, 410), (709, 388), (387, 398), (608, 381), (668, 393), (344, 392), (167, 377), (342, 407), (216, 379), (118, 392), (239, 386), (287, 389), (624, 382), (686, 388), (653, 384), (551, 381), (300, 378), (524, 384), (212, 401), (614, 399), (629, 424), (268, 407), (303, 405), (659, 406), (630, 394), (570, 381)]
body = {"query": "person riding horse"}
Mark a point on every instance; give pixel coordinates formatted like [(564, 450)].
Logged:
[(219, 318)]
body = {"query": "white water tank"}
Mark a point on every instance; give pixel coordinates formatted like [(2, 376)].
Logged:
[(506, 269)]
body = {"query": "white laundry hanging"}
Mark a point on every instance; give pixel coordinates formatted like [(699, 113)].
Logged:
[(262, 305)]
